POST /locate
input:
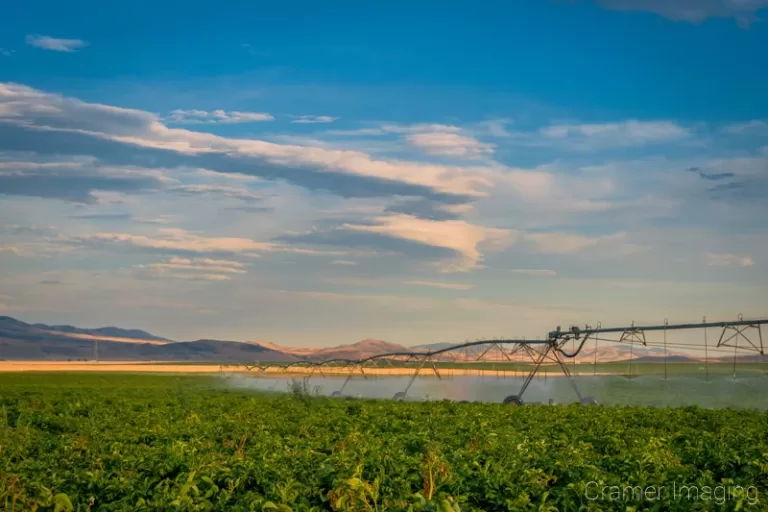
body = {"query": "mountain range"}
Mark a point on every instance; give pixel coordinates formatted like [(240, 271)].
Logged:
[(23, 341)]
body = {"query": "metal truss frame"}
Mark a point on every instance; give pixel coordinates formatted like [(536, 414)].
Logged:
[(550, 351)]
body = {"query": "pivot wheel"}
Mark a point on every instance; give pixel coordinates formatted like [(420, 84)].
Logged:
[(513, 400), (400, 395), (589, 400)]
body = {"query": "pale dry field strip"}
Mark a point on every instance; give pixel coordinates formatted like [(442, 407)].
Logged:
[(170, 367)]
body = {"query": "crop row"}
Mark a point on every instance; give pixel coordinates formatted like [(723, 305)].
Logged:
[(110, 442)]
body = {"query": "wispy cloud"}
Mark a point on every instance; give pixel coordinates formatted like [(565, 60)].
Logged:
[(343, 262), (615, 245), (179, 116), (206, 269), (442, 285), (755, 126), (314, 119), (534, 272), (450, 144), (717, 176), (6, 52), (217, 191), (588, 137), (179, 241), (117, 136), (724, 260), (694, 11), (55, 44), (456, 235)]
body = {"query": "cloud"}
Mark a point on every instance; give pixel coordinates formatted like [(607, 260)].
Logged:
[(72, 181), (343, 262), (205, 269), (442, 285), (248, 209), (178, 241), (457, 236), (449, 144), (534, 272), (55, 44), (102, 216), (754, 126), (217, 117), (223, 191), (694, 11), (711, 176), (428, 209), (723, 260), (399, 303), (6, 52), (28, 230), (108, 216), (314, 119), (49, 124), (433, 139), (591, 137), (614, 245), (171, 240)]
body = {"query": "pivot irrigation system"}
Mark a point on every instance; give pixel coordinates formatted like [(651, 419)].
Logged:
[(742, 336)]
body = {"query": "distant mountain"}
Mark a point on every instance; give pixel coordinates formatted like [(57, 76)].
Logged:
[(354, 351), (112, 332), (432, 347), (23, 341)]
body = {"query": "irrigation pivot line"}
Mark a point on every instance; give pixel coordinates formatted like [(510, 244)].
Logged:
[(549, 350)]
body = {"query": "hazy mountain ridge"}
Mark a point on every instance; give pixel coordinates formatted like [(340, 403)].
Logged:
[(23, 341), (112, 332)]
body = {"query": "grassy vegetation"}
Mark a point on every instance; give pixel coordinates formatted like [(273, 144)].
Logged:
[(148, 442)]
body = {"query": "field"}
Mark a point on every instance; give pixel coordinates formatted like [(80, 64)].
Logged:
[(167, 442)]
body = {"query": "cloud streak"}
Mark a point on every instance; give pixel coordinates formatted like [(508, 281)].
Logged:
[(693, 11), (314, 119), (179, 116), (55, 44), (49, 124)]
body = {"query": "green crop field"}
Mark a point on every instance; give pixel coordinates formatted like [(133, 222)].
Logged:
[(103, 442)]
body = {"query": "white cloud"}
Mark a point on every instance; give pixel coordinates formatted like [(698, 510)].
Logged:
[(589, 137), (175, 240), (723, 260), (330, 169), (456, 235), (754, 126), (343, 262), (693, 11), (205, 269), (534, 272), (217, 190), (442, 285), (55, 44), (314, 119), (449, 144), (6, 52), (615, 245), (179, 116)]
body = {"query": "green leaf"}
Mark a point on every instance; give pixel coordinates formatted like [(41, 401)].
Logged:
[(62, 503)]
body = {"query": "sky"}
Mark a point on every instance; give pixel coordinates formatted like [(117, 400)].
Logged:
[(318, 173)]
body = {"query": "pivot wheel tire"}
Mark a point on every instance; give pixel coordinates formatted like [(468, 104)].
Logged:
[(513, 400), (589, 400), (336, 393), (400, 395)]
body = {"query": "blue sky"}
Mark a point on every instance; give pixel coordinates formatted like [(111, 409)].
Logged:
[(317, 174)]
